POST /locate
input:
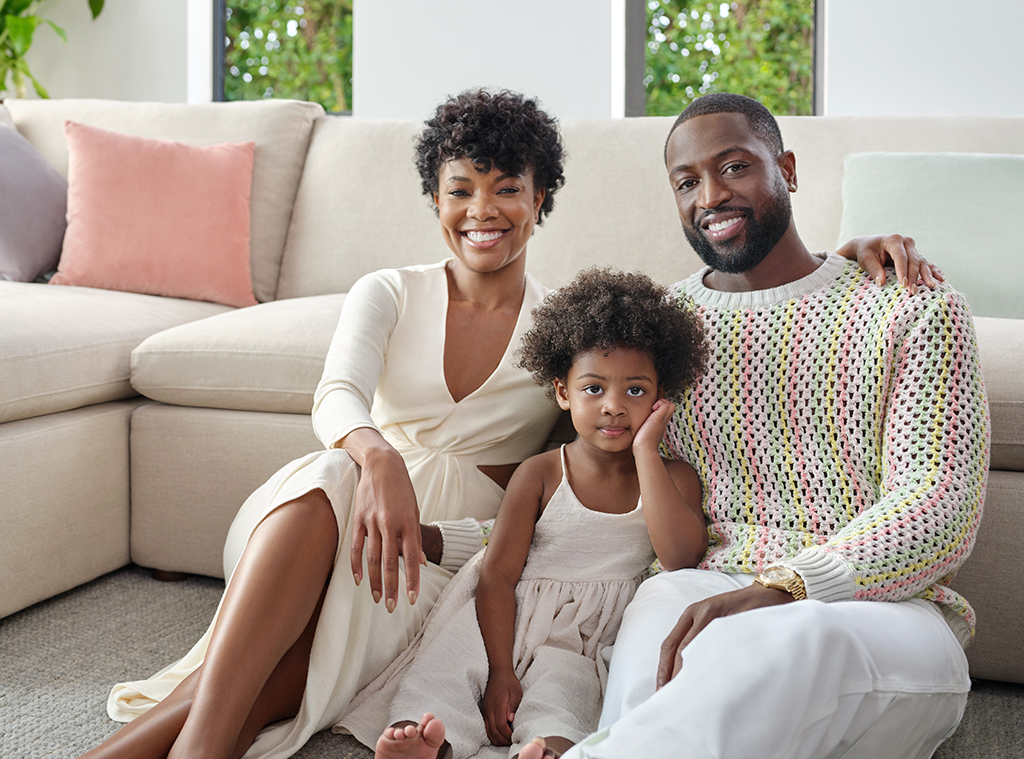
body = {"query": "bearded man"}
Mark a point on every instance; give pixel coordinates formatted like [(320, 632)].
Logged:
[(841, 435)]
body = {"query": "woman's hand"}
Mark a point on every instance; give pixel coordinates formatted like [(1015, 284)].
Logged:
[(648, 437), (386, 519), (873, 253), (500, 701)]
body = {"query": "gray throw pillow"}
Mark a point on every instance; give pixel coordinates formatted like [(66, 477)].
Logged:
[(33, 204)]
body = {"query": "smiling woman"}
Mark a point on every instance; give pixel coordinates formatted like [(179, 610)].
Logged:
[(487, 217), (429, 348)]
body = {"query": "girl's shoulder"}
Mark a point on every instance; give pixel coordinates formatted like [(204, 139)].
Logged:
[(539, 475), (544, 466)]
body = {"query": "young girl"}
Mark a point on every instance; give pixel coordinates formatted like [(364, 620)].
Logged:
[(575, 530)]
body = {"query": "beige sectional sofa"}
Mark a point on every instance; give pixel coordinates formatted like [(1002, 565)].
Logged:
[(133, 426)]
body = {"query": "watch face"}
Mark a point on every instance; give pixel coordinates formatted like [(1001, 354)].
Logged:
[(780, 575)]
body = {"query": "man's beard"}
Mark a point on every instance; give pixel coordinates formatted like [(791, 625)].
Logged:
[(761, 236)]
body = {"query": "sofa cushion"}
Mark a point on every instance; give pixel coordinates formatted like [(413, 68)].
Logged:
[(265, 358), (364, 166), (65, 501), (67, 347), (157, 216), (33, 198), (956, 206), (280, 129), (1001, 346)]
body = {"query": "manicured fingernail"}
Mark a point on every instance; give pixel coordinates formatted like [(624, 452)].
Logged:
[(357, 578), (906, 282), (390, 605), (412, 596), (376, 596)]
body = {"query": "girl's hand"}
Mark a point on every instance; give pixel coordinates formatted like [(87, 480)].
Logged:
[(873, 253), (501, 699), (386, 521), (648, 437)]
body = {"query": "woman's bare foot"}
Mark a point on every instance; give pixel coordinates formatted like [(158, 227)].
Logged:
[(538, 749), (410, 741)]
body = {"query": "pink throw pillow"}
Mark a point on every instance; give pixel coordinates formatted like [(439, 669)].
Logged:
[(157, 217)]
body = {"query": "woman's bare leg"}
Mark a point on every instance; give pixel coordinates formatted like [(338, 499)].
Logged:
[(150, 735), (255, 668), (273, 593)]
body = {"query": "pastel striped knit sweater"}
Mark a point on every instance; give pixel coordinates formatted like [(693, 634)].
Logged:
[(841, 429)]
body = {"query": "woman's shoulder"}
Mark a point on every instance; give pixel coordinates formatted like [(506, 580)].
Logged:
[(394, 283)]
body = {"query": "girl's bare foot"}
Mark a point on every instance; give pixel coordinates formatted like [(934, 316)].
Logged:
[(537, 749), (410, 741)]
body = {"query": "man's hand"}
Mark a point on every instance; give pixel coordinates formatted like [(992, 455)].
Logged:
[(387, 523), (699, 615), (501, 699), (873, 253)]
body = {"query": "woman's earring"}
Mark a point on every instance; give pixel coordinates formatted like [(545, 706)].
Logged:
[(792, 186)]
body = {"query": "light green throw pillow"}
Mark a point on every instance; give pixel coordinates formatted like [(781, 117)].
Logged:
[(962, 209)]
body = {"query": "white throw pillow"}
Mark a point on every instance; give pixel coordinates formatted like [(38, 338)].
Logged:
[(961, 209)]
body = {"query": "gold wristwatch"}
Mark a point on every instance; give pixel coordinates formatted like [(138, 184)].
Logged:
[(783, 578)]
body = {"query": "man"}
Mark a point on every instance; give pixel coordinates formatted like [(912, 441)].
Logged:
[(841, 434)]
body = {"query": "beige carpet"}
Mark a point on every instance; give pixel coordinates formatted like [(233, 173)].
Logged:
[(59, 658)]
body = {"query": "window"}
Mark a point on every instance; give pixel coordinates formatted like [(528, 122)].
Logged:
[(761, 48), (298, 49)]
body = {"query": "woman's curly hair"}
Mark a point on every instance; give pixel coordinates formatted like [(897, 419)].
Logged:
[(500, 129), (602, 308)]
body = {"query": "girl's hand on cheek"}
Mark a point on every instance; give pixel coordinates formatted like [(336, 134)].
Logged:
[(649, 435)]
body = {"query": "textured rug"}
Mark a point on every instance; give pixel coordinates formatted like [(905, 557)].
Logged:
[(59, 658)]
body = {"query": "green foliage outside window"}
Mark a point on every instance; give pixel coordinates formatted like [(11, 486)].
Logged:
[(298, 49), (760, 48), (763, 48)]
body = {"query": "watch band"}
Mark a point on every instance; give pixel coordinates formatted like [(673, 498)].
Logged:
[(783, 578)]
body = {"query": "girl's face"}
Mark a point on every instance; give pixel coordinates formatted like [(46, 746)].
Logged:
[(486, 218), (609, 393)]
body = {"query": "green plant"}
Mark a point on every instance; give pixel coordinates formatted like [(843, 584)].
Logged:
[(289, 49), (760, 48), (17, 27)]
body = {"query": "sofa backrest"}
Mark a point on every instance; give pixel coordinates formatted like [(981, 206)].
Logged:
[(359, 205), (280, 128)]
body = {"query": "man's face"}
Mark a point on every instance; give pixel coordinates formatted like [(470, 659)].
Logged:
[(730, 191)]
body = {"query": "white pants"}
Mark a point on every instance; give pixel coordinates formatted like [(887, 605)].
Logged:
[(805, 680)]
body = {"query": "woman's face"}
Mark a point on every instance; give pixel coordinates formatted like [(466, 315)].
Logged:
[(486, 218)]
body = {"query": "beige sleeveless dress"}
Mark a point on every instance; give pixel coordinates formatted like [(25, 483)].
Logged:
[(582, 570)]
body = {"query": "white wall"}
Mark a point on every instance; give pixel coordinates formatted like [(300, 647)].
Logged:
[(924, 57), (883, 57), (134, 50), (408, 55)]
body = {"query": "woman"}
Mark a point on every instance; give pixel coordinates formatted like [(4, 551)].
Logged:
[(429, 348)]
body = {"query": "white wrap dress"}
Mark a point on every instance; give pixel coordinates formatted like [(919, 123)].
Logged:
[(388, 351)]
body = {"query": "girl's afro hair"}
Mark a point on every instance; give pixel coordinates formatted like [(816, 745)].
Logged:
[(602, 308), (501, 129)]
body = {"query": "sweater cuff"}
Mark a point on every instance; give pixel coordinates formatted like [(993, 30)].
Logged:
[(825, 578), (461, 540)]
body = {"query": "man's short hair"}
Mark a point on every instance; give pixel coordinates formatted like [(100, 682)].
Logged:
[(759, 118)]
